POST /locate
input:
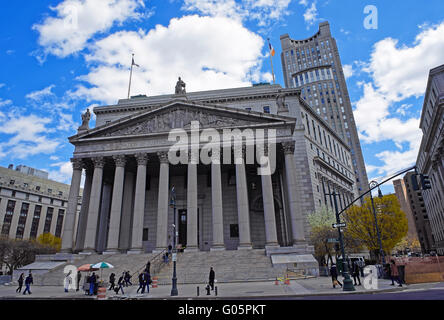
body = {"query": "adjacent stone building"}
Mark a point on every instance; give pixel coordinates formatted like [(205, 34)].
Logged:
[(130, 174), (31, 204), (314, 66), (430, 159), (404, 202)]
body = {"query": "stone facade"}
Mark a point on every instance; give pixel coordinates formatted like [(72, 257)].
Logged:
[(314, 66), (219, 206), (31, 205), (430, 159)]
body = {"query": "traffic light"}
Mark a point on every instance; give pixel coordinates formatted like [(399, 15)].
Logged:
[(415, 185), (425, 182)]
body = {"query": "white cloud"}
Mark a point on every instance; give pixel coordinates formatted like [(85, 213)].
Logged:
[(5, 102), (29, 136), (348, 70), (398, 72), (40, 94), (311, 12), (77, 21), (64, 172), (264, 12), (207, 52)]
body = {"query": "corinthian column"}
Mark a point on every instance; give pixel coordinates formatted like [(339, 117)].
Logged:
[(94, 206), (297, 221), (192, 244), (269, 213), (139, 204), (243, 209), (116, 205), (68, 230), (162, 207), (217, 205)]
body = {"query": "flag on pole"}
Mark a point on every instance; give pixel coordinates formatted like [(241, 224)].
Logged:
[(272, 51)]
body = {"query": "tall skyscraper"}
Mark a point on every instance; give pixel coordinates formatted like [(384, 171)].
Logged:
[(313, 65)]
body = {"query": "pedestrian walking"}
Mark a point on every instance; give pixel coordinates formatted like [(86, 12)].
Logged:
[(127, 278), (211, 279), (92, 283), (356, 272), (79, 277), (141, 283), (28, 282), (334, 276), (394, 273), (120, 283), (147, 282), (20, 283), (112, 280), (148, 267)]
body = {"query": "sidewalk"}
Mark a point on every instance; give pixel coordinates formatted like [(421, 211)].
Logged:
[(240, 290)]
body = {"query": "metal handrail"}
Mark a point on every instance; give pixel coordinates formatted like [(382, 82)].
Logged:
[(153, 264)]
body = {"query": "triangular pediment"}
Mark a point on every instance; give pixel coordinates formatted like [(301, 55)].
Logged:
[(179, 115)]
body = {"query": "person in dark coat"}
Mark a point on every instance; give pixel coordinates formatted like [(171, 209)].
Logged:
[(334, 275), (148, 267), (28, 282), (147, 282), (356, 272), (79, 277), (20, 283), (212, 277), (141, 283), (92, 284), (120, 284), (127, 279), (112, 280)]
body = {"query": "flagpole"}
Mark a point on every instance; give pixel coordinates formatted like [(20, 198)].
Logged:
[(271, 60), (131, 75)]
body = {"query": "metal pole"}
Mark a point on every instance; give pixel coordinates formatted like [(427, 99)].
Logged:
[(348, 283), (131, 75), (174, 291), (381, 251)]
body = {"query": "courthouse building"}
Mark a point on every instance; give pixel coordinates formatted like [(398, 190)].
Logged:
[(127, 157), (430, 159)]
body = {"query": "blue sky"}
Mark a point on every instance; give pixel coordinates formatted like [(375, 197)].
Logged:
[(60, 57)]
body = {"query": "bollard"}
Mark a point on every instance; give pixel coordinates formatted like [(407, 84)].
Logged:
[(101, 294), (197, 290), (154, 285), (215, 291)]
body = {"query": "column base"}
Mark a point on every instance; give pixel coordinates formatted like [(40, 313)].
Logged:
[(245, 247), (88, 251), (191, 249), (135, 251), (218, 248), (272, 246), (66, 251), (110, 252)]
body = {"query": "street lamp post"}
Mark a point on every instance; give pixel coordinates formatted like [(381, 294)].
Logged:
[(381, 251), (174, 291), (348, 283)]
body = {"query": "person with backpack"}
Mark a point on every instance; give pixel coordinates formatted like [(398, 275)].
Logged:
[(20, 283), (112, 280)]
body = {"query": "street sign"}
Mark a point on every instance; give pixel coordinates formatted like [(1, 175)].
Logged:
[(174, 257), (332, 240), (339, 225)]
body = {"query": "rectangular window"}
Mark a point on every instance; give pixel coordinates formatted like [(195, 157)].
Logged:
[(266, 109), (59, 223), (145, 234), (22, 221), (35, 222), (8, 217), (48, 220)]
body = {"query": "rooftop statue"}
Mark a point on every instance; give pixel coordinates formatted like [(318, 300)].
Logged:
[(180, 87)]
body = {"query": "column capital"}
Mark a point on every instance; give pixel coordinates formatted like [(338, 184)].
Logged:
[(77, 164), (288, 147), (120, 160), (142, 159), (163, 156), (99, 162)]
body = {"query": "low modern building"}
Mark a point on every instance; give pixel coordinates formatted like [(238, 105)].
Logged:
[(31, 205), (430, 159), (225, 204)]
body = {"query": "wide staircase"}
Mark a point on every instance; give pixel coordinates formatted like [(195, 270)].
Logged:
[(192, 267), (230, 266)]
